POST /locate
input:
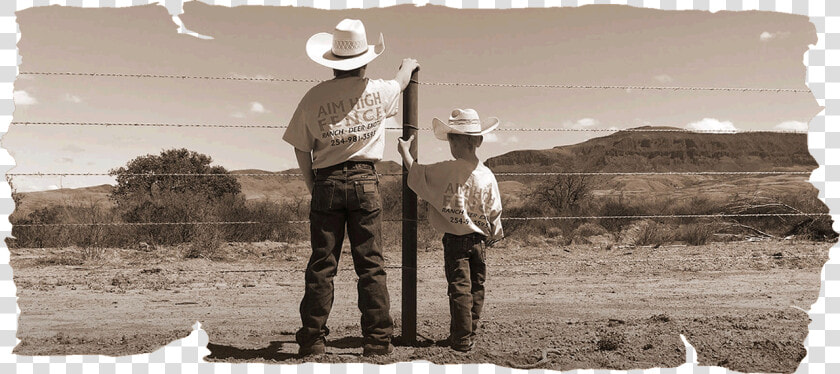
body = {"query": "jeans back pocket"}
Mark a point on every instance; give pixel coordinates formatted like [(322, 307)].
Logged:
[(367, 191), (322, 195)]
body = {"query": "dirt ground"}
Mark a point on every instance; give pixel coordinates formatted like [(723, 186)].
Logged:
[(617, 308)]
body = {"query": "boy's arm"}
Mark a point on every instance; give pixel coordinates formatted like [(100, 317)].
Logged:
[(404, 74), (403, 148), (304, 160), (496, 232), (416, 172)]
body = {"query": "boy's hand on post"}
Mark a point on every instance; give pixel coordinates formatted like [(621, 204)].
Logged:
[(405, 145), (404, 148)]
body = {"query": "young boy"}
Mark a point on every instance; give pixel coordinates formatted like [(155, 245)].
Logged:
[(338, 133), (467, 207)]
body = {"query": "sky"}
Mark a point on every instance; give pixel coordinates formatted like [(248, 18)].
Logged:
[(590, 45)]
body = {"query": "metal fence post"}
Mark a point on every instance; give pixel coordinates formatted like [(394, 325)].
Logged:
[(409, 224)]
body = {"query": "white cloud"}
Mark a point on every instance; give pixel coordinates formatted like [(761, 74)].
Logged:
[(491, 138), (257, 107), (768, 36), (583, 123), (72, 98), (793, 126), (237, 115), (663, 78), (504, 139), (52, 187), (24, 98), (711, 124)]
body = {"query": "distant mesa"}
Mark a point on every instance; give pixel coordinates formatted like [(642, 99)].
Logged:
[(632, 151)]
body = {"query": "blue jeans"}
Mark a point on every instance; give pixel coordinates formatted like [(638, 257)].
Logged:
[(346, 196), (466, 270)]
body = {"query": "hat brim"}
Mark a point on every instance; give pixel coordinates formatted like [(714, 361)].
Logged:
[(441, 128), (319, 49)]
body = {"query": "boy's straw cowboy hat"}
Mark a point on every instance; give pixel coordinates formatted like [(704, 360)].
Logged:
[(346, 48), (464, 122)]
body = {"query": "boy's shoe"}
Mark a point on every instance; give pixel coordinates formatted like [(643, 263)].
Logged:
[(377, 349), (463, 348), (319, 347)]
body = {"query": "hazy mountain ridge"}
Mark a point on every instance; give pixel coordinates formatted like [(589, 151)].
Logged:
[(629, 151)]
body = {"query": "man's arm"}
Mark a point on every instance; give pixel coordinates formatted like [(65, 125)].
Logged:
[(404, 74), (304, 160)]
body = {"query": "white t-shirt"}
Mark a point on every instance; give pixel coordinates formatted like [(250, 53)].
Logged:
[(464, 197), (341, 120)]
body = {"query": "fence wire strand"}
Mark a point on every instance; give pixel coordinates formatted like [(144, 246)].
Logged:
[(281, 174), (509, 129), (445, 84), (740, 215)]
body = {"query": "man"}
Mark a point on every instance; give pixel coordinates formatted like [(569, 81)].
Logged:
[(337, 131)]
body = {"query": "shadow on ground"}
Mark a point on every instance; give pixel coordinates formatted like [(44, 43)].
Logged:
[(271, 353)]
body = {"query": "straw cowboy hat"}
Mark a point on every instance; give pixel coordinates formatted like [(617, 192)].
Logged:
[(464, 122), (346, 48)]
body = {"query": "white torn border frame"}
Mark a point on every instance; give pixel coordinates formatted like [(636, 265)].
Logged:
[(176, 9), (198, 337)]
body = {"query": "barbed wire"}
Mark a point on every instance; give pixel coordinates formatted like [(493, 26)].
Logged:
[(281, 174), (642, 129), (169, 76), (144, 124), (595, 173), (739, 215), (666, 216), (446, 84), (520, 129)]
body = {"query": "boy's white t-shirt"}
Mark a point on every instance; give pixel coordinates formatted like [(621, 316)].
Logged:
[(341, 120), (464, 197)]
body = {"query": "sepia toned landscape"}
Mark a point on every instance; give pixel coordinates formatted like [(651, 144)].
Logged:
[(654, 184)]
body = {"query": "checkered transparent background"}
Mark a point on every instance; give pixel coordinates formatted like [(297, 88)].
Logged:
[(184, 356)]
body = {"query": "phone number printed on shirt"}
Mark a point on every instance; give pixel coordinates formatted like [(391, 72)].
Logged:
[(351, 138)]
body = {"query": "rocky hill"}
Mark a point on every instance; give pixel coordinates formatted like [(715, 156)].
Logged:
[(667, 151)]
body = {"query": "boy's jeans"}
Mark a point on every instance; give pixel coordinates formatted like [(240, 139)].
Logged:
[(346, 195), (465, 273)]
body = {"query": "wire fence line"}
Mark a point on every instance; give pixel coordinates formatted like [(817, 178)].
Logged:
[(509, 129), (667, 216), (281, 174), (446, 84), (504, 265), (740, 215)]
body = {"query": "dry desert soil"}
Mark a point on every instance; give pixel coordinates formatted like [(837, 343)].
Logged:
[(739, 304)]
